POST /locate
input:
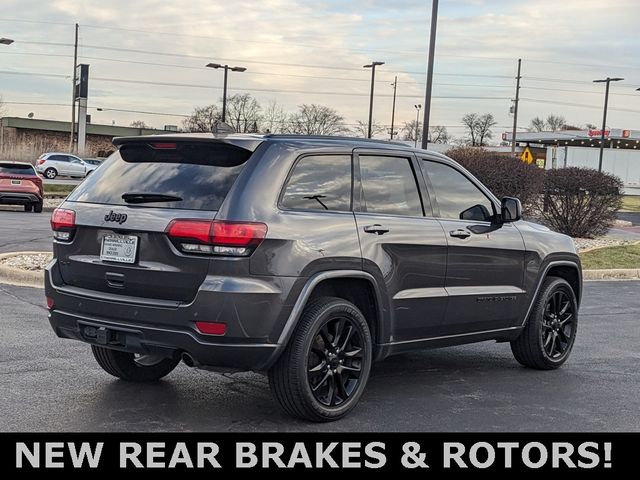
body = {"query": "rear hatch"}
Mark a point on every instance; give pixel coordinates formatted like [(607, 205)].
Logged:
[(118, 242), (19, 178)]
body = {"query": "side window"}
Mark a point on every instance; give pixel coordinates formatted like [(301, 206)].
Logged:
[(389, 186), (321, 182), (456, 195), (59, 158)]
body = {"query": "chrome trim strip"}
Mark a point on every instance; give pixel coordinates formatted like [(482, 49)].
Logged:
[(430, 339), (430, 292)]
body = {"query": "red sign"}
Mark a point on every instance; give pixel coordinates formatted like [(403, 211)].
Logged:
[(598, 133)]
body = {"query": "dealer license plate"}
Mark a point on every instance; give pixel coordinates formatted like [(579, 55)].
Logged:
[(119, 248)]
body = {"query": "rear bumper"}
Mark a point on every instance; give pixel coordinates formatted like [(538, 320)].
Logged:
[(153, 340), (252, 311), (18, 198)]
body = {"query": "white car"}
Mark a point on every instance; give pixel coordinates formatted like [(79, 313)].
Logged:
[(50, 165)]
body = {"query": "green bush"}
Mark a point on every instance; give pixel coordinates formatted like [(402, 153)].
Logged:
[(580, 202)]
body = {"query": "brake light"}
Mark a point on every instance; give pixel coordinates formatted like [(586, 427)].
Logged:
[(41, 161), (164, 145), (63, 223), (216, 237)]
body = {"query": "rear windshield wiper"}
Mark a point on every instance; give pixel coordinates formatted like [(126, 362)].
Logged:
[(149, 197)]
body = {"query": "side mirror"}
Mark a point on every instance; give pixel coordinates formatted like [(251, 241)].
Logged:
[(511, 209)]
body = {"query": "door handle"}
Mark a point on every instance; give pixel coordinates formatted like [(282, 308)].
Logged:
[(460, 233), (377, 229)]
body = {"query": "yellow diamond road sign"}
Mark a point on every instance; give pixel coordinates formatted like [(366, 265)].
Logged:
[(527, 155)]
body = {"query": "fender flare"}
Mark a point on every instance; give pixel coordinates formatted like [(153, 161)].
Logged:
[(303, 298), (543, 275)]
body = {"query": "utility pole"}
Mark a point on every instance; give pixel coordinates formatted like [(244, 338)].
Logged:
[(515, 110), (73, 93), (432, 53), (415, 141), (608, 81), (372, 66), (393, 108)]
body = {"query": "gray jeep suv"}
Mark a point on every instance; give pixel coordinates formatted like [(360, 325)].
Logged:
[(308, 258)]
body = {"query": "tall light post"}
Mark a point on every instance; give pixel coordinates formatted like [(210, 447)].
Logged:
[(372, 66), (6, 41), (608, 81), (224, 88), (432, 53), (393, 107), (415, 143)]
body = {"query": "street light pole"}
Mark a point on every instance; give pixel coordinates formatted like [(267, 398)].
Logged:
[(393, 108), (372, 66), (415, 142), (224, 86), (607, 81), (515, 110), (432, 53)]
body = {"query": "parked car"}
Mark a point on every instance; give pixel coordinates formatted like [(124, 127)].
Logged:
[(20, 185), (50, 165), (92, 163), (307, 258)]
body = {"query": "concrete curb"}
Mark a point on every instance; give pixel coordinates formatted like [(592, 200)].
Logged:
[(21, 278)]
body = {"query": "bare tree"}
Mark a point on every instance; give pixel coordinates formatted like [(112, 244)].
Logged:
[(361, 129), (478, 128), (274, 118), (555, 122), (313, 119), (590, 126), (243, 113), (537, 125), (202, 119), (439, 134), (139, 124), (412, 131)]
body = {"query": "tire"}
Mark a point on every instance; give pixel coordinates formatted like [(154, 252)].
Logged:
[(124, 365), (548, 337), (37, 207), (50, 173), (343, 367), (28, 207)]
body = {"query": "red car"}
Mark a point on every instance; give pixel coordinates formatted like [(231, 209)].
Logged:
[(20, 185)]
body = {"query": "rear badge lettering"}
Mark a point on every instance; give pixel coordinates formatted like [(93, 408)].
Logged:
[(115, 217)]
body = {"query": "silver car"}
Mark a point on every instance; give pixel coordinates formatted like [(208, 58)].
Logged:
[(50, 165)]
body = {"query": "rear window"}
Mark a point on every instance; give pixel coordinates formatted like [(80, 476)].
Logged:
[(15, 169), (198, 177)]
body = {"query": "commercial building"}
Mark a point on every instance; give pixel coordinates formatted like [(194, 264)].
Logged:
[(581, 148), (26, 138)]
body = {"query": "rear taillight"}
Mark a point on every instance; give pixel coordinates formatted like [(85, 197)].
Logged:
[(214, 237), (41, 161), (63, 224)]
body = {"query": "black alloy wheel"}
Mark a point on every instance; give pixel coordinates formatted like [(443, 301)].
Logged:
[(334, 363), (557, 325)]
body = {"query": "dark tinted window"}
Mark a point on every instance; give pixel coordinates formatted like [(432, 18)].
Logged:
[(389, 186), (16, 169), (59, 158), (200, 175), (320, 182), (456, 195)]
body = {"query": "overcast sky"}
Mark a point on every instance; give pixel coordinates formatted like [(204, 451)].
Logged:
[(313, 51)]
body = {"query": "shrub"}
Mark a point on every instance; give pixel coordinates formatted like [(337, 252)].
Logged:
[(580, 202), (505, 176)]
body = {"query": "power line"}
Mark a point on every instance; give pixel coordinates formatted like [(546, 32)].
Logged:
[(580, 105)]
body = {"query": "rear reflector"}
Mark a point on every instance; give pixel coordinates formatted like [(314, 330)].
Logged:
[(216, 237), (50, 303), (212, 328)]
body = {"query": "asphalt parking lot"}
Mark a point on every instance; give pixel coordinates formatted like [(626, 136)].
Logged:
[(50, 384), (23, 231)]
